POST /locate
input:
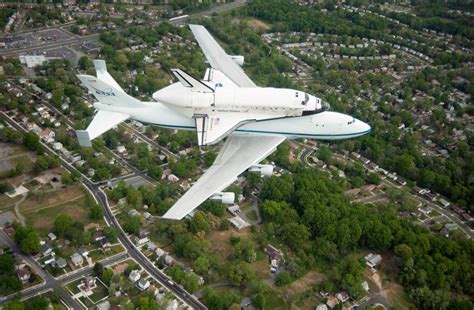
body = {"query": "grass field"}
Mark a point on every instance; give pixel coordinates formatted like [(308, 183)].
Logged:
[(41, 200)]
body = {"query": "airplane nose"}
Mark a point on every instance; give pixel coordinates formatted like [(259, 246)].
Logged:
[(364, 127)]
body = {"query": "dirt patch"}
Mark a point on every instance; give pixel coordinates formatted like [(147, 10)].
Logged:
[(397, 296), (304, 283), (43, 219), (43, 199), (258, 24), (220, 239)]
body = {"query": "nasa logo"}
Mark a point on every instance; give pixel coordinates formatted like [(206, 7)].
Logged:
[(105, 93)]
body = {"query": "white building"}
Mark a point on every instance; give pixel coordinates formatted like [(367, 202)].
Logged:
[(134, 276)]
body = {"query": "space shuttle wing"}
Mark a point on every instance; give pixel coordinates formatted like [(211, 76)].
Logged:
[(237, 155), (213, 127), (218, 58)]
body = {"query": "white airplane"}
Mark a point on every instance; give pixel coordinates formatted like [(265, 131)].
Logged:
[(225, 104)]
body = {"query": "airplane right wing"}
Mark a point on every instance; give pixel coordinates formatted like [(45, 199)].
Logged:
[(218, 58), (237, 155)]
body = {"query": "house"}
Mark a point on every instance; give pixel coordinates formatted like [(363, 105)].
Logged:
[(46, 249), (365, 285), (84, 252), (121, 149), (105, 305), (143, 284), (147, 215), (332, 302), (133, 212), (238, 223), (60, 263), (373, 260), (275, 257), (23, 274), (104, 243), (57, 146), (169, 260), (321, 307), (134, 276), (151, 246), (159, 252), (88, 283), (141, 239), (99, 235), (47, 135), (444, 203), (77, 259), (52, 236), (245, 303), (342, 296), (426, 210), (172, 178)]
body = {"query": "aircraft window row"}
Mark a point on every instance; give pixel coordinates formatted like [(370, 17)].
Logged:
[(351, 122)]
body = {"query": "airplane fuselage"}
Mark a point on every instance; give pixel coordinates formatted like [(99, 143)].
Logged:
[(325, 125)]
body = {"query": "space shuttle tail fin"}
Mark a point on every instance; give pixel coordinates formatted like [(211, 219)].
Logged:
[(191, 82)]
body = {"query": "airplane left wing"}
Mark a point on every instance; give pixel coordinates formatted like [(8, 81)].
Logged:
[(237, 154), (218, 58)]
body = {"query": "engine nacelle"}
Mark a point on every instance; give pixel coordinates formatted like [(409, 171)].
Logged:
[(238, 59), (226, 197), (265, 170)]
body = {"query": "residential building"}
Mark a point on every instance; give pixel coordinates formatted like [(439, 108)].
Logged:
[(134, 276), (373, 260), (52, 236), (77, 259), (23, 274), (60, 263), (143, 284), (238, 223)]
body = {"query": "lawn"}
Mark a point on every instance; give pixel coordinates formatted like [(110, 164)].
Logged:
[(43, 219), (100, 292), (44, 199)]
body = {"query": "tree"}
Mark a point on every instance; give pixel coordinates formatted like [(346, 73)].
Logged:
[(283, 278), (201, 264), (155, 172), (241, 273), (28, 239), (200, 222), (32, 142), (62, 224), (260, 301), (96, 212), (214, 207), (13, 305), (132, 225)]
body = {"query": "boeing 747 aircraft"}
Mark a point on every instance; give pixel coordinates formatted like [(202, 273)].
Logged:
[(226, 104)]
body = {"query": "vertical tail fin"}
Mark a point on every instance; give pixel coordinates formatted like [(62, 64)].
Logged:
[(103, 74), (108, 94)]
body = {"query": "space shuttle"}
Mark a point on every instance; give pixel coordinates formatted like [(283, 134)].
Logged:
[(225, 105)]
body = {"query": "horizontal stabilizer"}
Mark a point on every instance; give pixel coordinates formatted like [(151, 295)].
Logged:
[(103, 121), (191, 82)]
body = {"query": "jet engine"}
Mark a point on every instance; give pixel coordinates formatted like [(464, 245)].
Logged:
[(265, 170), (238, 59), (225, 197)]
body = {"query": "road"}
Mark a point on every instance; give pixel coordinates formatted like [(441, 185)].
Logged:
[(139, 257), (49, 282), (94, 37)]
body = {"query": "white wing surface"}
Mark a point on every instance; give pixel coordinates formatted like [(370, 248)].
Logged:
[(237, 154), (103, 121), (218, 58)]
